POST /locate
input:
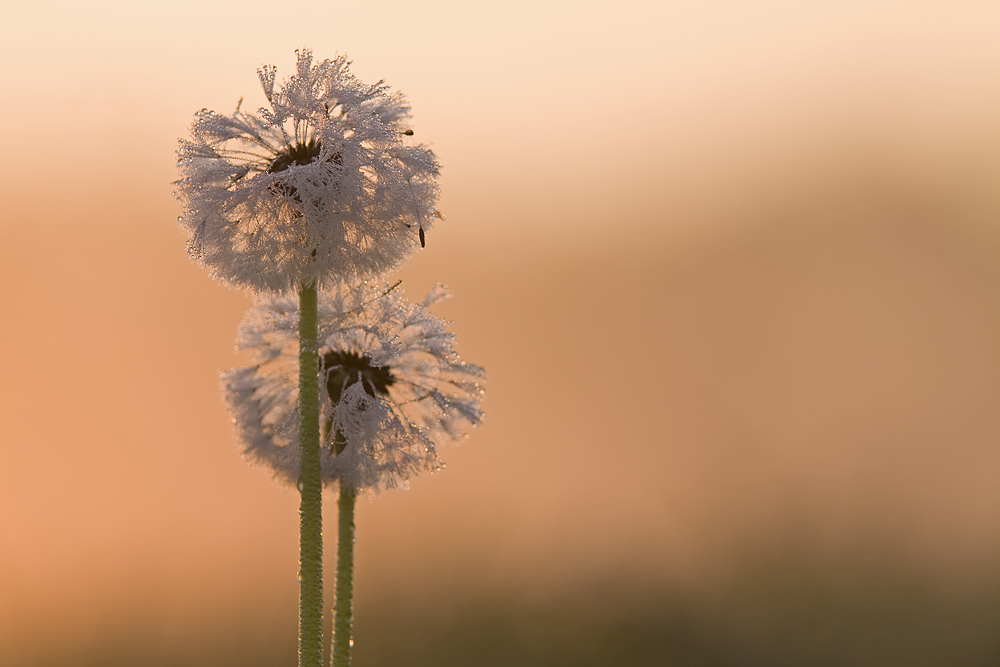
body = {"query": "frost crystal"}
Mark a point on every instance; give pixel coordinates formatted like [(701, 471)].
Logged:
[(392, 386), (319, 187)]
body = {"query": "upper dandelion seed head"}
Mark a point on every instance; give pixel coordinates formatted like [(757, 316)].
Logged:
[(317, 187)]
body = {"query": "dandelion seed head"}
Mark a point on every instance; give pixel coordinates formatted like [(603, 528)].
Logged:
[(392, 386), (322, 185)]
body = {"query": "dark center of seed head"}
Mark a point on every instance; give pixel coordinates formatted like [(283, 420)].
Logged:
[(297, 154), (342, 369)]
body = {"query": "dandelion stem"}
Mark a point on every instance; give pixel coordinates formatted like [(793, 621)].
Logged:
[(310, 487), (341, 656)]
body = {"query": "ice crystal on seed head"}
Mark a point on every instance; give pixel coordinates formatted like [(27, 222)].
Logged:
[(318, 187), (392, 386)]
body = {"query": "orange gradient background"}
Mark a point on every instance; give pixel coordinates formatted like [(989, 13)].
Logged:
[(733, 269)]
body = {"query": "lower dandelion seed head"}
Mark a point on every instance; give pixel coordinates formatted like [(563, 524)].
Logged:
[(392, 387)]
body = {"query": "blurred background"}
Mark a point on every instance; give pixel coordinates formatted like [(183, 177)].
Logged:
[(734, 271)]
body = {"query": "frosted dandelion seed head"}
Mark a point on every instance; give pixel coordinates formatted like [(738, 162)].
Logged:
[(392, 387), (323, 184)]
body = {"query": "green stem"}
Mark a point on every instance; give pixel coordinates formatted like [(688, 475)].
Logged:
[(310, 487), (343, 611)]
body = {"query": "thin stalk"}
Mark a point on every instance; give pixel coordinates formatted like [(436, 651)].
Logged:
[(310, 487), (343, 611)]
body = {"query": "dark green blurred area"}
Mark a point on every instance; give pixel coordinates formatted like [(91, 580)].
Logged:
[(784, 607), (776, 613)]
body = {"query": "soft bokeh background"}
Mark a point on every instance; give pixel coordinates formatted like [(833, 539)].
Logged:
[(734, 270)]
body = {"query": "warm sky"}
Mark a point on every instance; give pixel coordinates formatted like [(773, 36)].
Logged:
[(732, 267)]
